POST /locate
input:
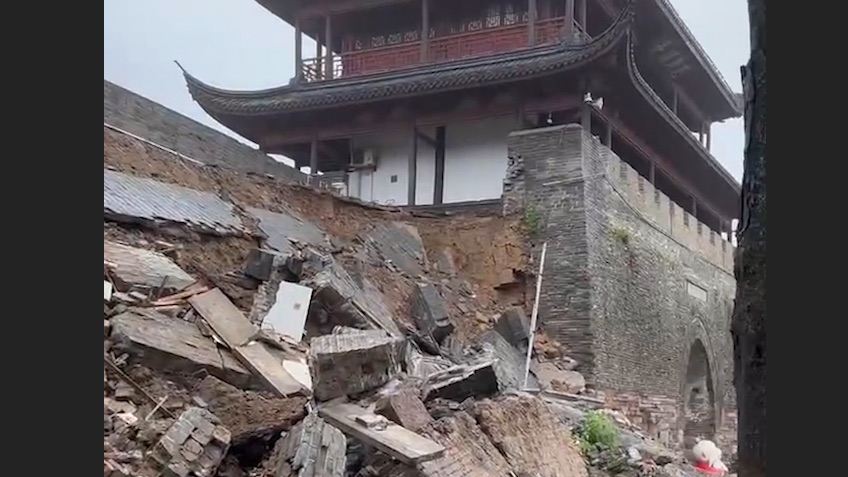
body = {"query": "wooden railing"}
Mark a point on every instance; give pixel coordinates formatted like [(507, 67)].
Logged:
[(486, 42)]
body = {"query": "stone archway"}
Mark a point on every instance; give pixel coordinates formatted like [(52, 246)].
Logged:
[(698, 397)]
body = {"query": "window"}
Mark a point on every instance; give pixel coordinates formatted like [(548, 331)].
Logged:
[(393, 179)]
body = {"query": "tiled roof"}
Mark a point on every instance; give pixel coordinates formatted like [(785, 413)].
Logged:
[(490, 70)]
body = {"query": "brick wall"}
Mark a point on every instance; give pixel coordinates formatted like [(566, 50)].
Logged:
[(622, 272), (135, 114)]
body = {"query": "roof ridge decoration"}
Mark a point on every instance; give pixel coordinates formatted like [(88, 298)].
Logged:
[(654, 99), (493, 69)]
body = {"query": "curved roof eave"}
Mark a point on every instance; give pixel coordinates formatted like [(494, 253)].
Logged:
[(659, 105), (413, 81)]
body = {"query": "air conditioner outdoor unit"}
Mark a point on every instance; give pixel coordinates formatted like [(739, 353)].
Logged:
[(364, 159)]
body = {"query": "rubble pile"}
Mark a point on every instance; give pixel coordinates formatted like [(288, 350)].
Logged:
[(242, 341)]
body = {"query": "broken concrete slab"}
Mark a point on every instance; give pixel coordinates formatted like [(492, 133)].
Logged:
[(430, 312), (238, 334), (313, 448), (283, 230), (288, 314), (394, 440), (127, 198), (405, 408), (530, 436), (161, 342), (513, 325), (399, 244), (350, 363), (356, 303), (145, 269), (193, 446), (462, 382)]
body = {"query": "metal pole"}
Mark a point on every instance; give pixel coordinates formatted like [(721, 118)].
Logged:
[(535, 315)]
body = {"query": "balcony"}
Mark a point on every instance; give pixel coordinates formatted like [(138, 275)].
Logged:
[(475, 44)]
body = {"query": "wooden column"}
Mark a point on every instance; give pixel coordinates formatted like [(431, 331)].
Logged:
[(319, 60), (412, 172), (425, 30), (701, 134), (532, 13), (298, 51), (582, 10), (439, 185), (608, 136), (585, 110), (313, 158), (675, 100), (694, 208), (652, 174), (568, 28), (709, 134), (328, 43)]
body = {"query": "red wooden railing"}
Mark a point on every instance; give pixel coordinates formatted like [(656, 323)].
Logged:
[(489, 41)]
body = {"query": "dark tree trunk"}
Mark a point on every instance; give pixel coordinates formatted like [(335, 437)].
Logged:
[(749, 314)]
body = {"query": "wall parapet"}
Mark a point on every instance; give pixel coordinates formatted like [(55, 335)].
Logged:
[(665, 214)]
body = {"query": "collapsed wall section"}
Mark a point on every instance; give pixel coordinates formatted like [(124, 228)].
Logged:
[(628, 288)]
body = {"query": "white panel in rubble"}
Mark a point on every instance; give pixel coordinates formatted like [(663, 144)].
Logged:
[(288, 315)]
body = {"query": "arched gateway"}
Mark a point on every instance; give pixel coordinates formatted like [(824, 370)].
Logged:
[(698, 396)]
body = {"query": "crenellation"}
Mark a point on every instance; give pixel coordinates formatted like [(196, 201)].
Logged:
[(663, 212)]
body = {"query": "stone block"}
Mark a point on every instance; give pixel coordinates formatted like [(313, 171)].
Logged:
[(430, 313), (406, 409), (509, 362), (259, 265), (179, 453), (514, 327), (351, 363), (462, 382), (312, 448)]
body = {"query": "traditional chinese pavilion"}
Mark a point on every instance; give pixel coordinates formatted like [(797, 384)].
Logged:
[(411, 101)]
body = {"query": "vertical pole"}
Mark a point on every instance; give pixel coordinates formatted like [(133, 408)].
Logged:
[(298, 51), (568, 28), (581, 15), (675, 100), (694, 208), (439, 185), (701, 134), (319, 59), (535, 315), (608, 135), (652, 174), (412, 173), (709, 136), (425, 30), (313, 158), (532, 13), (328, 43)]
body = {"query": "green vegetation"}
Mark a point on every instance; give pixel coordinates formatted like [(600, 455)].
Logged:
[(596, 432), (621, 235), (532, 221)]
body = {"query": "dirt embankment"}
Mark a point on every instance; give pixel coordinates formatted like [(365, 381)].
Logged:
[(487, 252)]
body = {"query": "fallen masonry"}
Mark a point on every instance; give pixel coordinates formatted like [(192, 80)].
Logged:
[(331, 375), (350, 363)]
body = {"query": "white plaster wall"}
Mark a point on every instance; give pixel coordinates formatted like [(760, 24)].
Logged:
[(475, 164)]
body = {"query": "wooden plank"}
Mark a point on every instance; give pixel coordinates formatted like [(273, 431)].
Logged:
[(396, 441), (224, 318), (238, 333)]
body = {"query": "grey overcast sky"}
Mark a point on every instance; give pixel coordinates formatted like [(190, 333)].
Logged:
[(237, 44)]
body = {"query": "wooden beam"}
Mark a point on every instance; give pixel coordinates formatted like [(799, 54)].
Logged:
[(439, 179), (394, 440), (412, 168), (315, 9), (298, 51), (532, 13), (425, 30), (328, 43)]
